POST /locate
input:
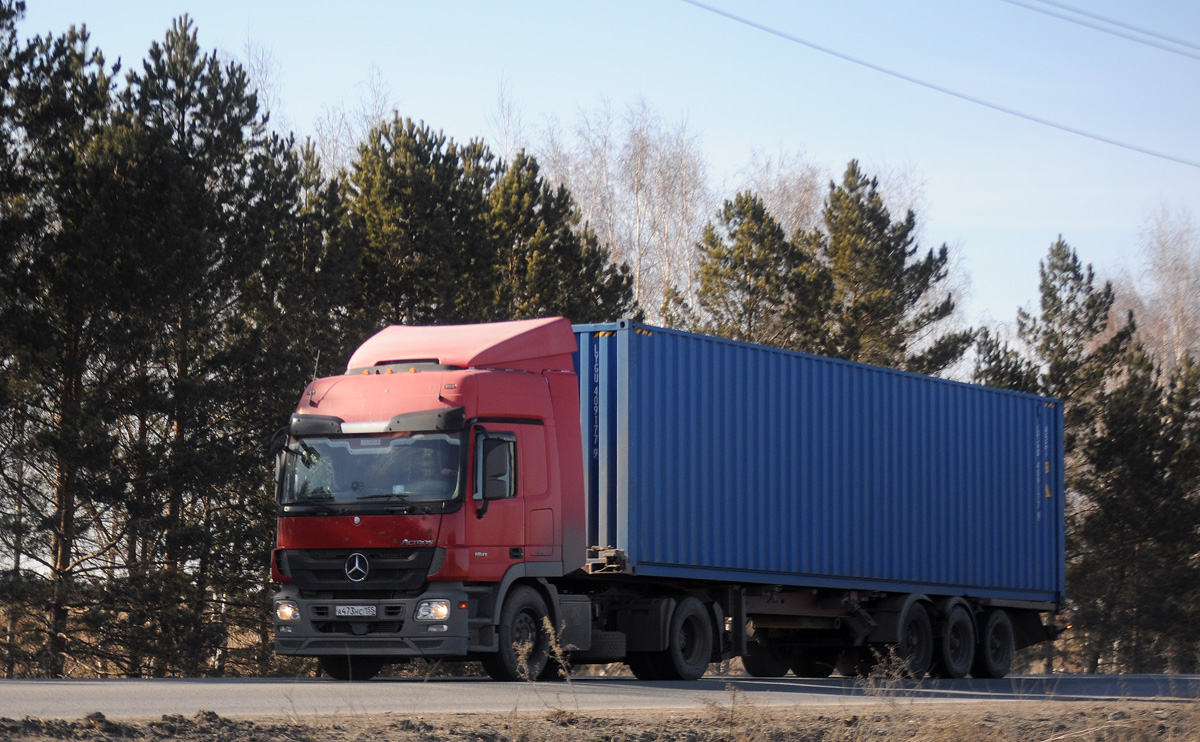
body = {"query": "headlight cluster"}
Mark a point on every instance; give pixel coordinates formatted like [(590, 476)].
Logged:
[(433, 610), (287, 610)]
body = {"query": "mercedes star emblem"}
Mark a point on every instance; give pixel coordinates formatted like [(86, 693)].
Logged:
[(357, 566)]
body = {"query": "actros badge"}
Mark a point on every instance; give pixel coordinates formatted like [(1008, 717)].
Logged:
[(357, 567)]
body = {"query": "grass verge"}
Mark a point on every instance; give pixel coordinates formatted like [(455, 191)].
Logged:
[(737, 721)]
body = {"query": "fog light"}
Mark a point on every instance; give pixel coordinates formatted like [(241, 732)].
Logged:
[(433, 610), (283, 629), (286, 610), (438, 628)]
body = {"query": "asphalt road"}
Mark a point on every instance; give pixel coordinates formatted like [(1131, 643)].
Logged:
[(302, 697)]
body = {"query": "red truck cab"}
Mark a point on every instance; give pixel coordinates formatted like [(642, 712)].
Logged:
[(439, 472)]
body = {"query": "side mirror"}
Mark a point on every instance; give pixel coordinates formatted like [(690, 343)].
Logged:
[(278, 444), (278, 441)]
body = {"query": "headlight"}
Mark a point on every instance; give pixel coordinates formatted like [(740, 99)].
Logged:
[(433, 610), (286, 610)]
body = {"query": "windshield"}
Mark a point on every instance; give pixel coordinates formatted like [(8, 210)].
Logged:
[(400, 466)]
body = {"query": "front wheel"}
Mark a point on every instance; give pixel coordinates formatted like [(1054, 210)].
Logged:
[(524, 641), (342, 667)]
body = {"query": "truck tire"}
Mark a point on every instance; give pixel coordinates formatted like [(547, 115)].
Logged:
[(994, 652), (761, 662), (915, 646), (524, 643), (689, 642), (956, 646), (342, 667), (809, 662), (689, 646)]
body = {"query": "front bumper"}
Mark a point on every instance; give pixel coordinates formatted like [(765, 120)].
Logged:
[(393, 631)]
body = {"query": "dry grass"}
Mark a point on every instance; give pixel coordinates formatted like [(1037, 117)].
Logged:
[(736, 721)]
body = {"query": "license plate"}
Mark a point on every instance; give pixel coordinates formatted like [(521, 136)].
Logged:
[(354, 611)]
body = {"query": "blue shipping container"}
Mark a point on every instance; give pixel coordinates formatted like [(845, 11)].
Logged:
[(711, 459)]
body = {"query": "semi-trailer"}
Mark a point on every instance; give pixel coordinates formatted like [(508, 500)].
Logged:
[(530, 493)]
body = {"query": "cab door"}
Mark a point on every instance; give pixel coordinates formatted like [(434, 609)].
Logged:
[(495, 525)]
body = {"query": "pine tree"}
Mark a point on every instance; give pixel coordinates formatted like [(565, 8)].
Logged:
[(998, 364), (756, 285), (1132, 577), (58, 301), (888, 301), (545, 262), (1070, 338), (14, 523), (417, 208), (210, 316)]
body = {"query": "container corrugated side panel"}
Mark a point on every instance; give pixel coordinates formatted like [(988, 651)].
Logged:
[(719, 460)]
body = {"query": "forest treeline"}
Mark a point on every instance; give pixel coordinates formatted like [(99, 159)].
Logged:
[(173, 272)]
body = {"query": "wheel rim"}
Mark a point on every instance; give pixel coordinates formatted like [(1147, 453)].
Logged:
[(916, 641), (689, 644), (525, 629), (526, 638), (959, 646), (997, 644), (957, 643)]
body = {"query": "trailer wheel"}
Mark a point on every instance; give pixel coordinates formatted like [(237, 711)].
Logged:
[(994, 653), (342, 667), (956, 646), (524, 643), (915, 648), (689, 641), (808, 662), (761, 662)]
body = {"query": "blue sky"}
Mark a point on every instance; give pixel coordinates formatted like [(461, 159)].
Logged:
[(996, 188)]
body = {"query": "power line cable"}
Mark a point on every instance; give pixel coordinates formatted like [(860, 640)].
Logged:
[(1097, 27), (1122, 24), (940, 89)]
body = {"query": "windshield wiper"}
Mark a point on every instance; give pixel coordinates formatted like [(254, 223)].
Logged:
[(383, 496), (401, 506), (317, 502)]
